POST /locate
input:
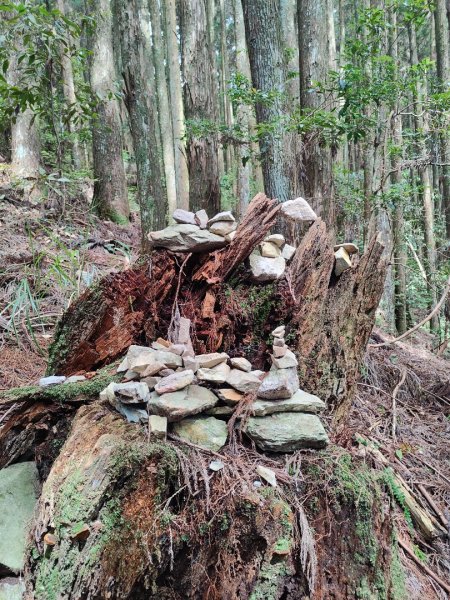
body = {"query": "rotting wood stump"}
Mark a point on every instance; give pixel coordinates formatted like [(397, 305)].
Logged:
[(328, 318)]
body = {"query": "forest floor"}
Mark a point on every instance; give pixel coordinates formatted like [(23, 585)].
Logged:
[(49, 257)]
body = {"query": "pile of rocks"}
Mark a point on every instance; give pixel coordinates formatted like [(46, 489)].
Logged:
[(196, 394), (268, 262), (195, 232)]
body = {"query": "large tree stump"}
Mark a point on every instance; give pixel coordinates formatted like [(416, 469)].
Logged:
[(329, 319)]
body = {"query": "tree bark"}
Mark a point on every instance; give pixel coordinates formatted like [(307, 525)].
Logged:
[(110, 189), (422, 130), (176, 103), (152, 200), (278, 148), (70, 96), (315, 47), (442, 32), (165, 119), (201, 104)]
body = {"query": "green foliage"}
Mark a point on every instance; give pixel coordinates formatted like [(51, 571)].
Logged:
[(397, 493)]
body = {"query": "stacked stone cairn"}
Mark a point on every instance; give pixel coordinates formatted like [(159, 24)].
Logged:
[(196, 394)]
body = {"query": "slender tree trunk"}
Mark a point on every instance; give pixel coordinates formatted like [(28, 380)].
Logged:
[(265, 47), (110, 189), (289, 32), (400, 256), (200, 104), (69, 95), (247, 167), (176, 102), (443, 73), (141, 110), (421, 127), (314, 45), (165, 120), (25, 144)]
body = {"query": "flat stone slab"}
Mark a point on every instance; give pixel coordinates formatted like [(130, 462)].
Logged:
[(226, 215), (133, 352), (243, 382), (211, 360), (183, 403), (184, 216), (51, 380), (298, 210), (207, 432), (300, 402), (288, 252), (18, 494), (133, 392), (177, 381), (12, 588), (241, 363), (286, 361), (229, 396), (266, 269), (287, 432), (217, 374), (186, 238), (349, 247), (279, 384), (222, 228)]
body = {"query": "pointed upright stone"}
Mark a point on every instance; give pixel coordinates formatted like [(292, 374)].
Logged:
[(343, 261)]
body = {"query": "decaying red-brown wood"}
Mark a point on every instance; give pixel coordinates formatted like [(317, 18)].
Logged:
[(329, 318)]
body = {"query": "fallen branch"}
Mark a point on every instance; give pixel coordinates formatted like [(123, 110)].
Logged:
[(433, 505), (427, 570), (394, 403), (434, 312)]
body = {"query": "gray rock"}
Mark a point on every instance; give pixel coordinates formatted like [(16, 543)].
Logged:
[(191, 363), (177, 349), (287, 432), (132, 392), (184, 334), (217, 374), (169, 359), (184, 216), (75, 379), (230, 236), (216, 465), (186, 238), (157, 427), (51, 380), (288, 252), (212, 359), (279, 332), (276, 238), (201, 218), (18, 493), (12, 588), (151, 381), (266, 269), (130, 412), (220, 411), (279, 351), (279, 384), (222, 228), (279, 342), (222, 216), (177, 381), (300, 402), (267, 474), (132, 375), (145, 362), (183, 403), (165, 372), (270, 250), (207, 432), (229, 396), (298, 210), (243, 382), (285, 362), (133, 352), (342, 261), (349, 247), (241, 363)]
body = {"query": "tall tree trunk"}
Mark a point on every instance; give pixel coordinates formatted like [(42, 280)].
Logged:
[(69, 95), (165, 120), (421, 127), (25, 143), (289, 32), (110, 190), (265, 47), (176, 102), (443, 73), (200, 103), (248, 168), (314, 55), (142, 114)]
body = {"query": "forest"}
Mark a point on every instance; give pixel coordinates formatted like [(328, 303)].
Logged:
[(224, 299)]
